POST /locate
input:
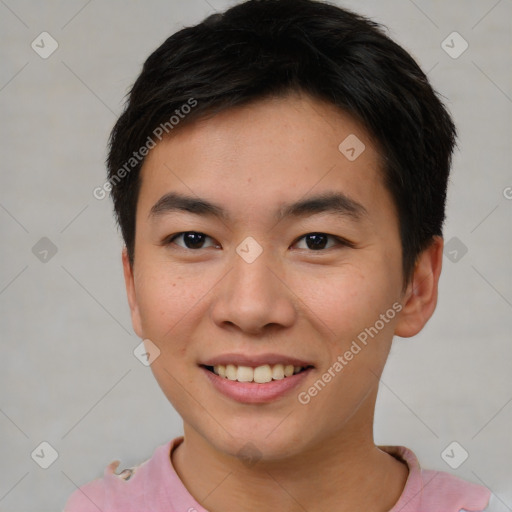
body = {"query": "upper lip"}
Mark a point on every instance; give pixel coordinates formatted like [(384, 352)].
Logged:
[(254, 360)]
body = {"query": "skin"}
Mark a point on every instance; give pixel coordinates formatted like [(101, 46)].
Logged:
[(194, 304)]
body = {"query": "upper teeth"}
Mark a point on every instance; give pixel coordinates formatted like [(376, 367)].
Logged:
[(260, 374)]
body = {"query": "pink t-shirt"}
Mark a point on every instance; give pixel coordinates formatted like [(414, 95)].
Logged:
[(155, 486)]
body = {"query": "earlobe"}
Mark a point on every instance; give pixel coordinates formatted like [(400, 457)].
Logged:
[(131, 295), (420, 299)]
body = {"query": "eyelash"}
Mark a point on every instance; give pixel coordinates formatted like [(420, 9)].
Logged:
[(340, 241)]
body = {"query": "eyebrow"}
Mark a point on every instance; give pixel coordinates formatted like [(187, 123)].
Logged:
[(335, 203)]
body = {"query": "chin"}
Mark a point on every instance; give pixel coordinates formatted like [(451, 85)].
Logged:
[(259, 441)]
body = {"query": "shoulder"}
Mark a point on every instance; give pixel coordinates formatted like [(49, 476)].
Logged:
[(437, 491), (444, 491), (89, 497), (494, 505), (101, 493), (122, 490)]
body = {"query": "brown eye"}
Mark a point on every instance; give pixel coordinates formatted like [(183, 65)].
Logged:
[(319, 241), (191, 240)]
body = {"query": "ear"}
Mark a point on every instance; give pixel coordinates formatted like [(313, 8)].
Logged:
[(420, 298), (130, 292)]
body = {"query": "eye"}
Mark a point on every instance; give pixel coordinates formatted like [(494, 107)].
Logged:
[(319, 241), (195, 240), (191, 240)]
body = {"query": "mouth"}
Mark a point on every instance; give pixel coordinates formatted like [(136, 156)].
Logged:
[(258, 379), (261, 374)]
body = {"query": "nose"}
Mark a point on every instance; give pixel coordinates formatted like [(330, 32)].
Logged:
[(254, 298)]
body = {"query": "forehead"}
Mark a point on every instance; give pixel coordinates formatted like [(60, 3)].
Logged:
[(271, 151)]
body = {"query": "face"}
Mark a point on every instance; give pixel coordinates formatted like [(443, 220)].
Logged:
[(295, 258)]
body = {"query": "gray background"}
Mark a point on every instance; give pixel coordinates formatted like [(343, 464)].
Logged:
[(67, 372)]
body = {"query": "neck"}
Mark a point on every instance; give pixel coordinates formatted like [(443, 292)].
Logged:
[(343, 472)]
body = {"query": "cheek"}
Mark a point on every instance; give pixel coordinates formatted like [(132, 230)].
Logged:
[(337, 296), (166, 298), (348, 301)]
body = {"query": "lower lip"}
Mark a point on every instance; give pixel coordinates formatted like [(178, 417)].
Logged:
[(253, 392)]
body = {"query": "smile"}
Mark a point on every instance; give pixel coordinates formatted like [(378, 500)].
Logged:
[(261, 374), (250, 391)]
